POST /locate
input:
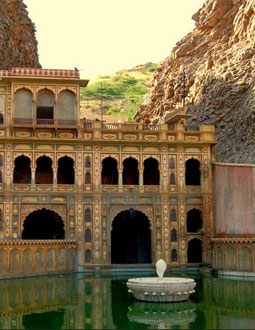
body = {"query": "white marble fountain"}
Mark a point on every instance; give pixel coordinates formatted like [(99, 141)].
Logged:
[(161, 289)]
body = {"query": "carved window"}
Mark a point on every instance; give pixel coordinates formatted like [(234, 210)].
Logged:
[(172, 179), (151, 172), (88, 215), (173, 215), (44, 171), (172, 163), (66, 108), (88, 235), (192, 172), (109, 171), (65, 173), (22, 170), (23, 107), (88, 162), (174, 235), (194, 221), (174, 255), (88, 256), (130, 171), (45, 105), (87, 178)]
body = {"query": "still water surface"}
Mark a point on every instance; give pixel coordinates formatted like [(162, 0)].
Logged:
[(103, 302)]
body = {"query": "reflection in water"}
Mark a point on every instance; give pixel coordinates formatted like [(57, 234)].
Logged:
[(87, 302), (162, 314)]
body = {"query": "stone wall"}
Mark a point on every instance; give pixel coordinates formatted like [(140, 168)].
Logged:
[(218, 57), (18, 45)]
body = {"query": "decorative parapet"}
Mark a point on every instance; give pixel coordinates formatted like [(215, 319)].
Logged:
[(162, 132), (40, 73), (36, 242), (230, 240)]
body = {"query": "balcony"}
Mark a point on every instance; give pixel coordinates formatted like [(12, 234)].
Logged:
[(49, 123)]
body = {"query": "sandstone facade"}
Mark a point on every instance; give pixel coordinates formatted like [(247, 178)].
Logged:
[(18, 45), (218, 57)]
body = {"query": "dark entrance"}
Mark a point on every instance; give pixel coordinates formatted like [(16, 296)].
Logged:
[(195, 251), (43, 224), (131, 238)]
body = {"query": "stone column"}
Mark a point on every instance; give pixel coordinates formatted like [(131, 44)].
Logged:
[(141, 177), (55, 180), (120, 181)]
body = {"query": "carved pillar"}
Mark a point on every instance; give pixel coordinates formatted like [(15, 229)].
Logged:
[(55, 179), (141, 177), (120, 178)]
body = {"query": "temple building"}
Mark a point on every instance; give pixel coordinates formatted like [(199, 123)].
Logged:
[(84, 195)]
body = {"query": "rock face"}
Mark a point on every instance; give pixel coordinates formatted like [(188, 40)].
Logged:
[(18, 45), (218, 57)]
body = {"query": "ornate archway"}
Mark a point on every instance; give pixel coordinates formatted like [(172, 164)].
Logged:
[(43, 224), (131, 238)]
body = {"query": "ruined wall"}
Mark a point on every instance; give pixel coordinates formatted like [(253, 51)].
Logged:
[(234, 200), (219, 59), (18, 45)]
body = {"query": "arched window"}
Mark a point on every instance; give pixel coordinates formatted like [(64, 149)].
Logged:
[(194, 221), (130, 171), (87, 178), (65, 173), (174, 235), (88, 214), (172, 163), (45, 105), (173, 215), (23, 111), (172, 179), (109, 171), (151, 172), (87, 235), (22, 170), (44, 172), (88, 162), (87, 256), (174, 255), (192, 172), (66, 108)]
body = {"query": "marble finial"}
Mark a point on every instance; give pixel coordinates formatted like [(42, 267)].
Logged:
[(161, 267)]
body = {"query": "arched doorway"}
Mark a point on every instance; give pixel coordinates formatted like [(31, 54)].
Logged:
[(151, 172), (130, 171), (131, 238), (43, 224), (192, 172), (194, 251)]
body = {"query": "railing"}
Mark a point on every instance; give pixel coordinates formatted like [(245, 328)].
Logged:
[(191, 128), (130, 126), (44, 122), (150, 127), (109, 126)]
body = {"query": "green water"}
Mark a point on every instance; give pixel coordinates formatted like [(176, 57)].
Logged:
[(103, 302)]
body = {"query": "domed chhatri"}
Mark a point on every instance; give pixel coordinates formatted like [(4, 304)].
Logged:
[(161, 289)]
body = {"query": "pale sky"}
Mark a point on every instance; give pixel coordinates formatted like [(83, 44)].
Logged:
[(100, 37)]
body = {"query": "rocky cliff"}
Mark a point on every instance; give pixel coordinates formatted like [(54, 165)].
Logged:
[(18, 45), (218, 57)]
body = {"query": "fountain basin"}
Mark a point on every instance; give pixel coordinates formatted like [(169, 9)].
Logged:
[(161, 289)]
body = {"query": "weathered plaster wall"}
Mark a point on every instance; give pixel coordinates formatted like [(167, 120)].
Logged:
[(234, 200)]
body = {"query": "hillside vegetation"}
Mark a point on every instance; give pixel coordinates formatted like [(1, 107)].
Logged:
[(120, 94)]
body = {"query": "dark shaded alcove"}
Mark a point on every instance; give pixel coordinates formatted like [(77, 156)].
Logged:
[(22, 170), (130, 171), (131, 238), (151, 172), (45, 105), (109, 171), (194, 251), (194, 221), (43, 224), (44, 172), (65, 174), (192, 172)]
